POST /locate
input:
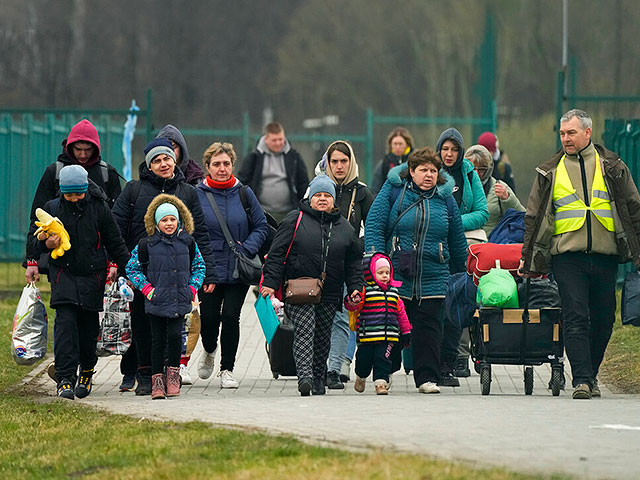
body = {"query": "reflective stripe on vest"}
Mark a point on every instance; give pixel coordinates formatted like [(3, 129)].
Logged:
[(570, 210)]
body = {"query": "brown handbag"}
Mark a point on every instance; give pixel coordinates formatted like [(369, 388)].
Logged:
[(308, 290), (303, 290)]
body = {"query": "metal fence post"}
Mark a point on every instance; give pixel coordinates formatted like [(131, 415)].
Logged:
[(149, 116), (245, 133), (369, 147)]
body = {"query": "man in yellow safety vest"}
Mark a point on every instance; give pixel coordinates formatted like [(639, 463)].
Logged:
[(583, 218)]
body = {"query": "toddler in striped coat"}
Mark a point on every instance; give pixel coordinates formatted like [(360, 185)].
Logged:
[(381, 322)]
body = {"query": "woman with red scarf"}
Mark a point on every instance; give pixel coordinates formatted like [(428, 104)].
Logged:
[(249, 230)]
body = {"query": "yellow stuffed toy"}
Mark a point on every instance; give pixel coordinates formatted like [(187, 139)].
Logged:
[(49, 226)]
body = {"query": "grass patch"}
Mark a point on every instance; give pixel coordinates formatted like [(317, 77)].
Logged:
[(12, 278), (61, 439), (621, 365)]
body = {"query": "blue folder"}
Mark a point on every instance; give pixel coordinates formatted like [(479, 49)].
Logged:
[(267, 316)]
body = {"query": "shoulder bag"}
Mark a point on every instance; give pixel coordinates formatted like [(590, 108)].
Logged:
[(248, 269), (307, 290)]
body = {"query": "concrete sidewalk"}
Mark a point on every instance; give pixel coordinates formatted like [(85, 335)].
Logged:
[(599, 438)]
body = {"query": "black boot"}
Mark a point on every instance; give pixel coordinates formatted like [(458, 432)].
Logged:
[(447, 378), (318, 387), (304, 386), (462, 368), (333, 381), (144, 381)]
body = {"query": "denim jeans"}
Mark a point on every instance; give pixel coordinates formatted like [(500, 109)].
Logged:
[(587, 285), (351, 346), (339, 338)]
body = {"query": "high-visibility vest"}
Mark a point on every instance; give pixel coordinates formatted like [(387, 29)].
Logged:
[(570, 210)]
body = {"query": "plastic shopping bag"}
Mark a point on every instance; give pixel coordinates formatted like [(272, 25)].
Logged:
[(497, 289), (30, 327), (114, 336)]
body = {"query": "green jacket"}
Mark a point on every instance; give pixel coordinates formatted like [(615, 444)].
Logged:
[(539, 219)]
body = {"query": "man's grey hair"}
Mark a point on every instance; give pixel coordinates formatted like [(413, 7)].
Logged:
[(582, 116)]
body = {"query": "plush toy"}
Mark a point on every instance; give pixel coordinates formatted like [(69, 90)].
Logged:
[(49, 226)]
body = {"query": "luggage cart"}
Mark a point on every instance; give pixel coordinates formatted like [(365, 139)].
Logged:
[(518, 337)]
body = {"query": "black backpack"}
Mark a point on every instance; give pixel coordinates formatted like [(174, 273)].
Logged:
[(272, 223)]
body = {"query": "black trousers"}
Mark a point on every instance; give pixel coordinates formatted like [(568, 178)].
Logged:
[(141, 329), (166, 342), (129, 361), (376, 356), (223, 306), (75, 335), (426, 337), (587, 285)]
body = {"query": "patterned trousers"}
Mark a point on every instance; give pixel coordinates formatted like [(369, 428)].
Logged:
[(311, 338)]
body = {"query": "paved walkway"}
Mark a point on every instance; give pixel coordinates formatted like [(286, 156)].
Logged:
[(599, 438)]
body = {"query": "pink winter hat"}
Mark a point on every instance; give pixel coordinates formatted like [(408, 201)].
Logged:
[(382, 262)]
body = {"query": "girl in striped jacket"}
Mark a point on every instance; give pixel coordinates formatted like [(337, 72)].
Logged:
[(381, 322)]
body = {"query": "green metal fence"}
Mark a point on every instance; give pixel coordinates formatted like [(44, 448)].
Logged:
[(623, 137), (28, 143), (30, 139)]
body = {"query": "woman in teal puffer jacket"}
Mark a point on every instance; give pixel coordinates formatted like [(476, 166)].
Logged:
[(471, 199), (468, 190), (416, 221)]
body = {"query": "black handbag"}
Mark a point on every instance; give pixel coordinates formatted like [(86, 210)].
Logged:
[(248, 269)]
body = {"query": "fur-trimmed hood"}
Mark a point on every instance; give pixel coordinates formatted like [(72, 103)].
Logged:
[(186, 219)]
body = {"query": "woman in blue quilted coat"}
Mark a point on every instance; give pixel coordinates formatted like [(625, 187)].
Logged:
[(417, 222)]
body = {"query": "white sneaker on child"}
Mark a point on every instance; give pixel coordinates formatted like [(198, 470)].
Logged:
[(429, 387), (185, 375), (227, 380), (205, 367)]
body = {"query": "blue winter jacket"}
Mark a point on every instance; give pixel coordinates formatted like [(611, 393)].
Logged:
[(473, 208), (170, 271), (251, 234), (437, 234)]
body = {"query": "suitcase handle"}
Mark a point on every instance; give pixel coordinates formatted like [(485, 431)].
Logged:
[(525, 319)]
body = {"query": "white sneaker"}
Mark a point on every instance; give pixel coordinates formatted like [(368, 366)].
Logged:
[(429, 387), (185, 375), (205, 367), (227, 380)]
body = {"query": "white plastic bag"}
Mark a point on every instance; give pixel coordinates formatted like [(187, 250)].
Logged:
[(30, 327), (114, 336)]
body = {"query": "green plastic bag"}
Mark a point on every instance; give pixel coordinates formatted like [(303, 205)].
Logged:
[(497, 289)]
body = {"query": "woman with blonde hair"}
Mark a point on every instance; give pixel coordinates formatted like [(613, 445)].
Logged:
[(249, 230)]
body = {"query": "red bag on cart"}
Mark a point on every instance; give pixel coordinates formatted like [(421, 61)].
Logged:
[(483, 256)]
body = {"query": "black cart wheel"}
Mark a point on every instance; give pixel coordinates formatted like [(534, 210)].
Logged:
[(557, 379), (275, 375), (528, 380), (485, 379)]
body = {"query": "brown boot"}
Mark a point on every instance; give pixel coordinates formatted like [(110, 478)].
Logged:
[(173, 381), (157, 386)]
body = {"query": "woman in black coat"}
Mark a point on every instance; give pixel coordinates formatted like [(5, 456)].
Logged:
[(319, 241)]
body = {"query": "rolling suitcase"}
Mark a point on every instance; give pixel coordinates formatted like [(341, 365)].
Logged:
[(280, 351), (519, 337)]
